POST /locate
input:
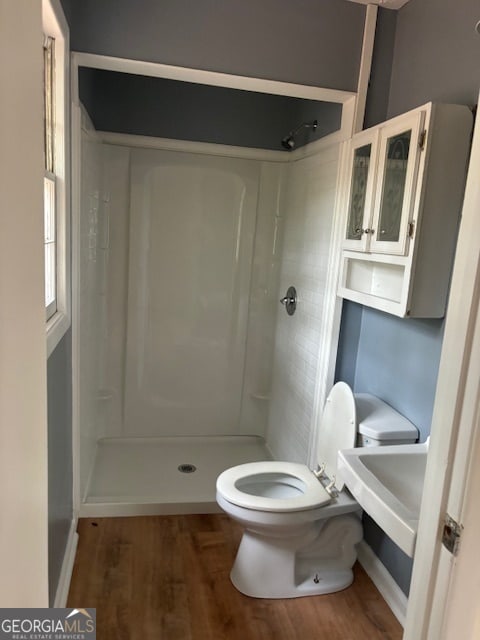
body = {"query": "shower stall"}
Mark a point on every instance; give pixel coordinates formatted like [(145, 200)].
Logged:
[(186, 363)]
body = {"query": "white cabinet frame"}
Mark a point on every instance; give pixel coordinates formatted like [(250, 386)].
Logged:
[(413, 123), (410, 277), (369, 137)]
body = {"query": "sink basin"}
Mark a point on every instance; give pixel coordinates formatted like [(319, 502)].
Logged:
[(387, 482)]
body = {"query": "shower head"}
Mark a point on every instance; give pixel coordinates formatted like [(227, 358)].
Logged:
[(288, 142)]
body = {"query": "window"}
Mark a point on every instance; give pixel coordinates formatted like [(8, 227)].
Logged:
[(56, 183), (50, 218)]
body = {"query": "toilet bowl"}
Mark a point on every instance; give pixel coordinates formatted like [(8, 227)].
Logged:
[(301, 527)]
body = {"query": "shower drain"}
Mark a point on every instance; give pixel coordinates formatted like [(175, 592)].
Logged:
[(187, 468)]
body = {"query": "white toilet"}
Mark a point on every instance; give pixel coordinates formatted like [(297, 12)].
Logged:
[(301, 527)]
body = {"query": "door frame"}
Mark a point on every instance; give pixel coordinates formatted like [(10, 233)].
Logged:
[(455, 427)]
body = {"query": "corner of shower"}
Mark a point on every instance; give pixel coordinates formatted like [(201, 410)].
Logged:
[(172, 391)]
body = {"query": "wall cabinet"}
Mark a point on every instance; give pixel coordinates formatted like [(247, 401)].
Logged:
[(404, 190)]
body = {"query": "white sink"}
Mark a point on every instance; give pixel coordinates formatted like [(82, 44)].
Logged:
[(387, 482)]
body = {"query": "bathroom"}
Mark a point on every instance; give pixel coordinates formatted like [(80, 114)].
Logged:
[(405, 378), (366, 336)]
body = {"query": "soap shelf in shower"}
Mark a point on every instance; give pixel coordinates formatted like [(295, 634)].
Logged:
[(265, 397)]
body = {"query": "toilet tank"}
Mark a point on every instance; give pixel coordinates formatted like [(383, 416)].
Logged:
[(379, 424)]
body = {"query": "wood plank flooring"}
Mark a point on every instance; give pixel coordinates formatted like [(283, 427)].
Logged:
[(167, 578)]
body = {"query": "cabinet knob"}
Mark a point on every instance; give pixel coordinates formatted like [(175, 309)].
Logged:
[(362, 231)]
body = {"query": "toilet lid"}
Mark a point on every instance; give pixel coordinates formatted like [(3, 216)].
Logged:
[(338, 429)]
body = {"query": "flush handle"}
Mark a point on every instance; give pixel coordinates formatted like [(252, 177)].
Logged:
[(290, 300)]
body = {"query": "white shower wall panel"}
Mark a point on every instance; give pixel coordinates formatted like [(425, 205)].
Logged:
[(91, 302), (192, 226), (263, 299), (308, 211), (116, 189)]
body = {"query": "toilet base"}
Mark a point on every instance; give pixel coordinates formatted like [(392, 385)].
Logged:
[(296, 566)]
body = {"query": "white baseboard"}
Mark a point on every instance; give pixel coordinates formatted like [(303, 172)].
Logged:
[(382, 579), (67, 567), (126, 508)]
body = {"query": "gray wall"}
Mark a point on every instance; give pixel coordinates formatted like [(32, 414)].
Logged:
[(163, 108), (437, 53), (306, 41), (60, 508), (377, 96), (396, 360), (435, 57)]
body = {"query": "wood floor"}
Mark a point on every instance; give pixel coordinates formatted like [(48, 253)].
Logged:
[(167, 578)]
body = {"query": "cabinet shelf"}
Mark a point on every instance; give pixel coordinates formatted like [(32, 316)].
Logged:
[(404, 190), (375, 280)]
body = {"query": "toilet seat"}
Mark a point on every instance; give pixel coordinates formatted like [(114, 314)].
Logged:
[(283, 487)]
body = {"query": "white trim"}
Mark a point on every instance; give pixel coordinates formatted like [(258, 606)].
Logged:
[(229, 151), (348, 118), (57, 327), (352, 120), (386, 4), (451, 401), (64, 580), (382, 579), (365, 66), (76, 139), (187, 146), (129, 508), (199, 76), (330, 321), (55, 25)]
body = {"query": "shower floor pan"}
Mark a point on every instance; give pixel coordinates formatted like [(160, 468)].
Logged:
[(142, 476)]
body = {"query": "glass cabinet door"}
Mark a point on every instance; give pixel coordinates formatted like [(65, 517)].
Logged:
[(395, 193), (362, 166)]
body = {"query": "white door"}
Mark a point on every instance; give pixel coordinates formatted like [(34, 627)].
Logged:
[(444, 596), (461, 607), (457, 600)]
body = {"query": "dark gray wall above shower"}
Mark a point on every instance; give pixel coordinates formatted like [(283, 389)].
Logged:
[(307, 41), (149, 106)]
